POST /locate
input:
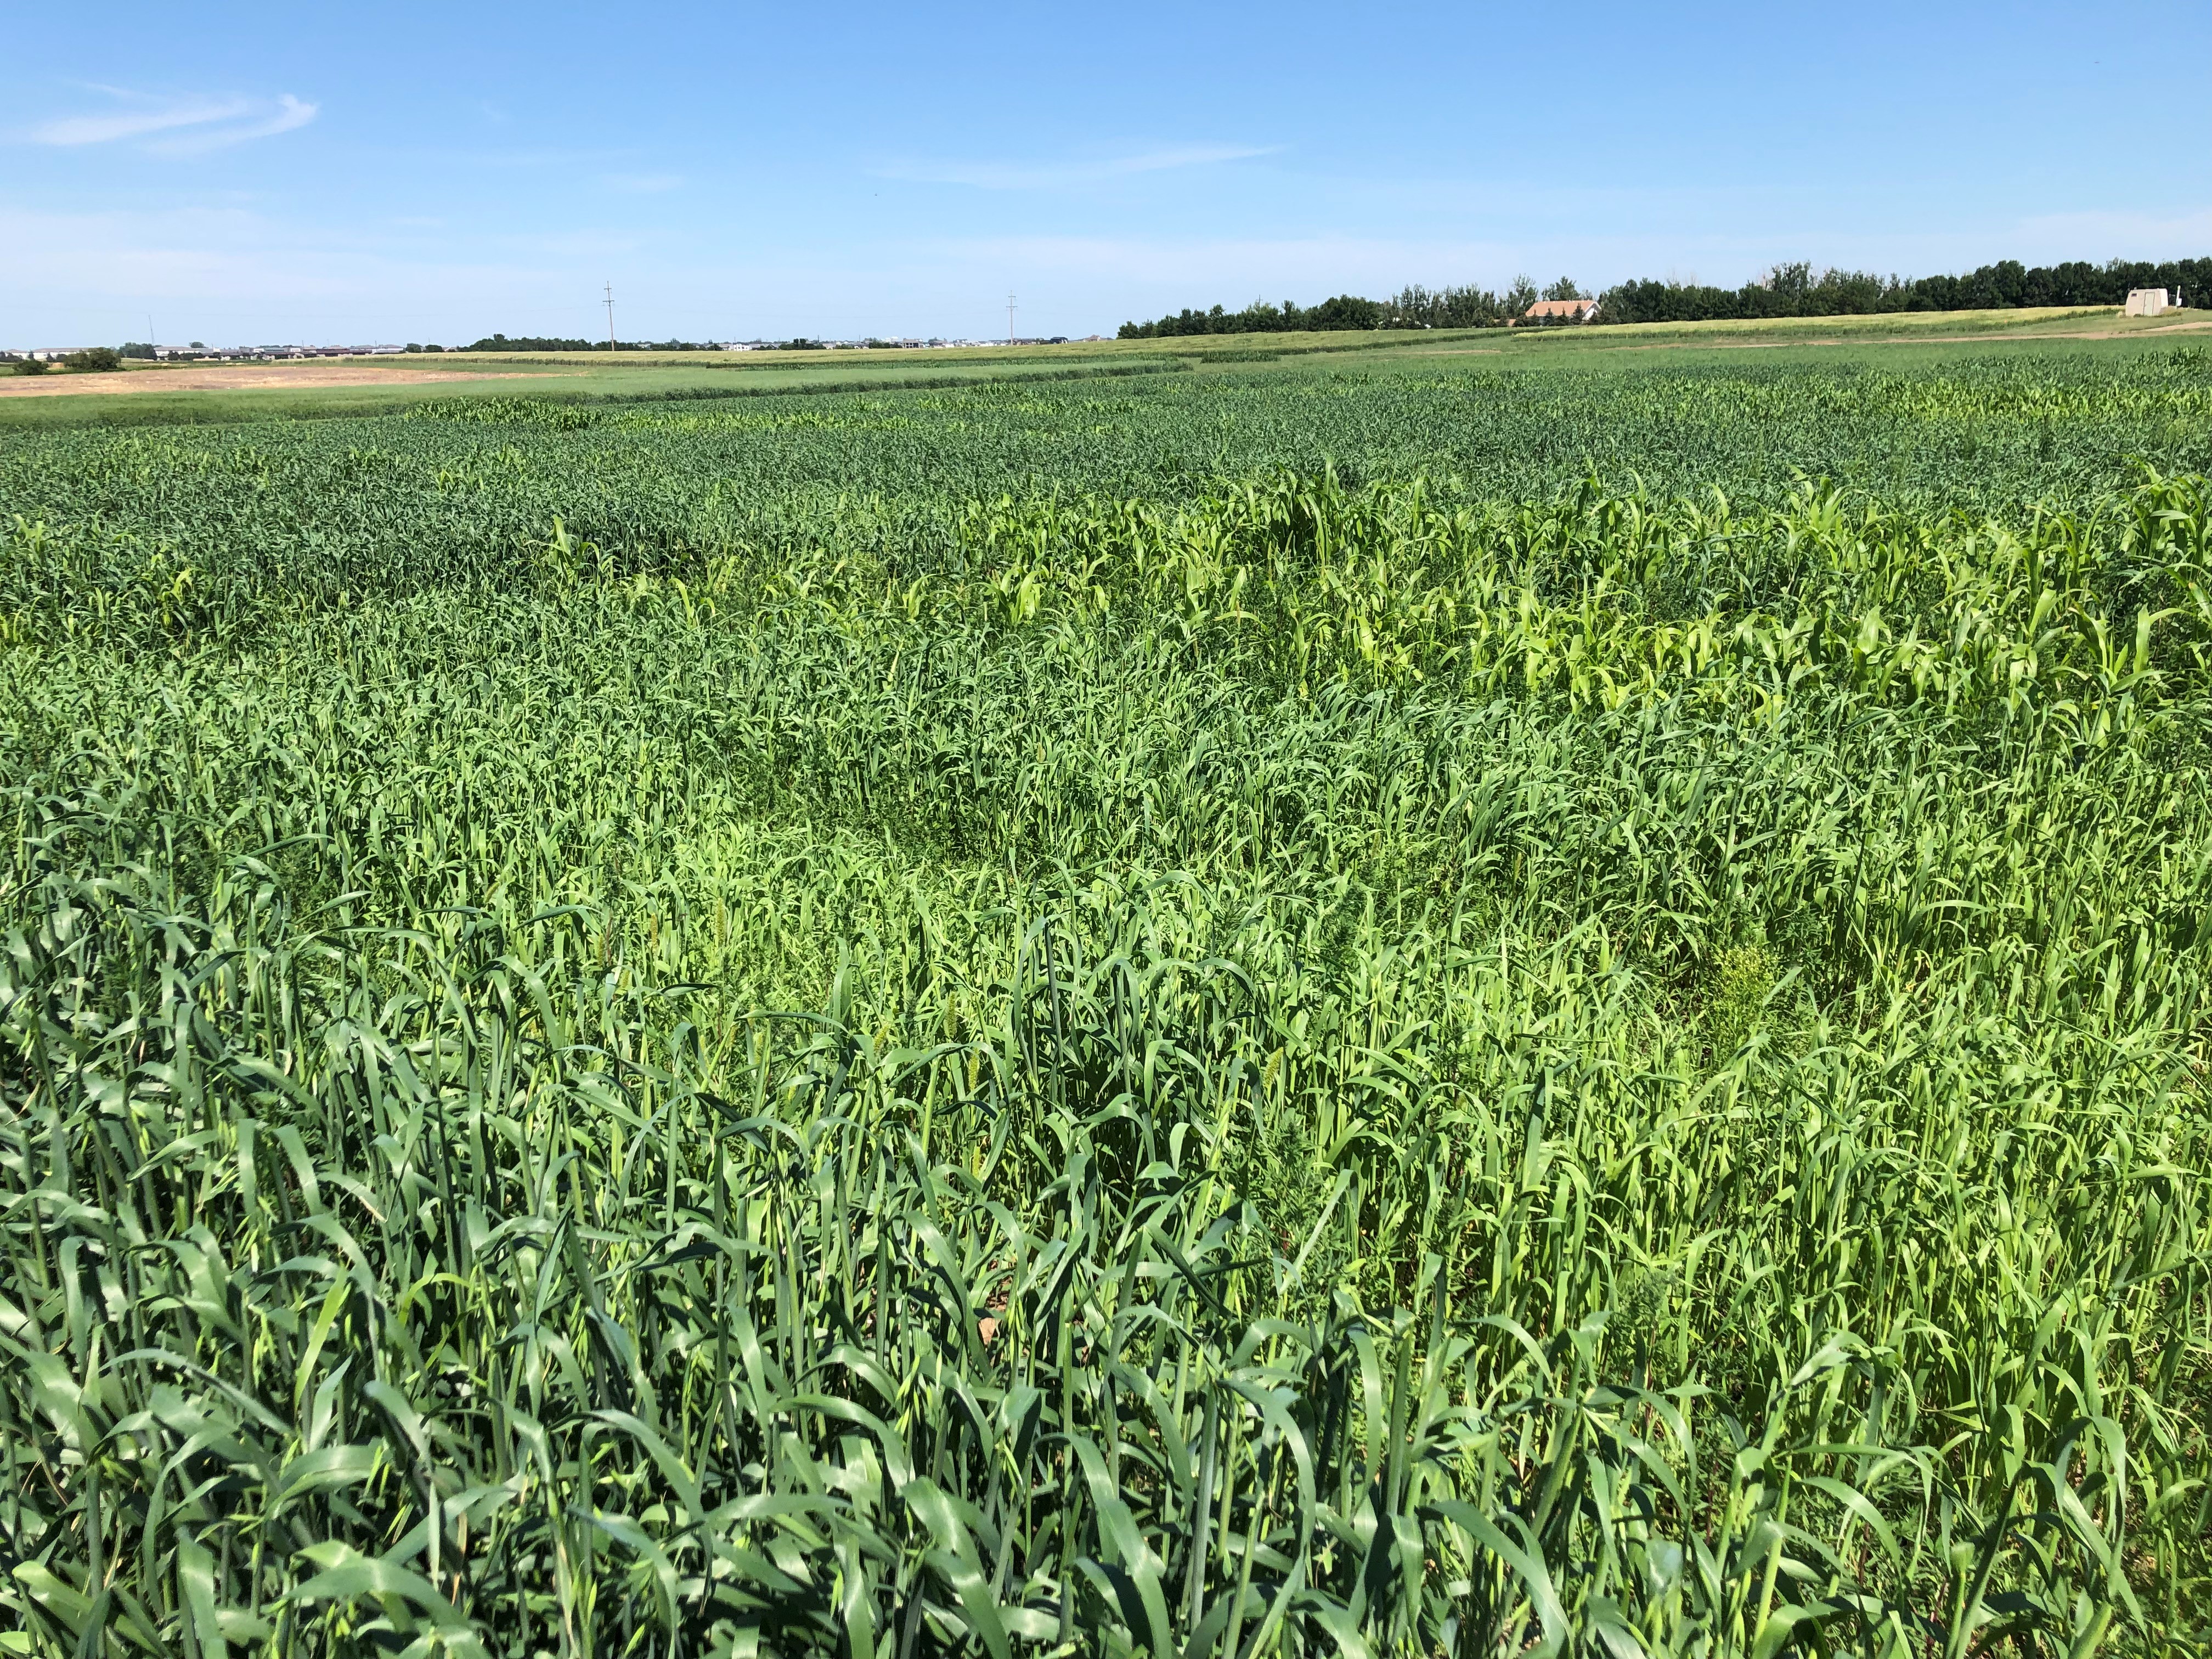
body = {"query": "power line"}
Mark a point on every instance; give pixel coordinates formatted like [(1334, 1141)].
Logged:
[(610, 317), (1010, 320)]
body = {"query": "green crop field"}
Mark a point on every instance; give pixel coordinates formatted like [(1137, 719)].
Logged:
[(1385, 1003)]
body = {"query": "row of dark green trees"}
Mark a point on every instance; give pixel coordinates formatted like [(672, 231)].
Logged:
[(1795, 289), (93, 359), (1415, 307)]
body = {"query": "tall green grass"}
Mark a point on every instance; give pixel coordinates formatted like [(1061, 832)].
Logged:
[(1289, 1065)]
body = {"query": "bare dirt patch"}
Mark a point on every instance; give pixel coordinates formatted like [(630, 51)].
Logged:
[(242, 377)]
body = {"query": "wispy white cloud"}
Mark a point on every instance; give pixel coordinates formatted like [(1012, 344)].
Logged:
[(73, 130), (1050, 175), (177, 126), (290, 114)]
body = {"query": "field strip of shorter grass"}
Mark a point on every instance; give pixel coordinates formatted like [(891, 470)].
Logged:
[(227, 406)]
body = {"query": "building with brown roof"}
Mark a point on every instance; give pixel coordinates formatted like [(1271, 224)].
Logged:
[(1560, 310)]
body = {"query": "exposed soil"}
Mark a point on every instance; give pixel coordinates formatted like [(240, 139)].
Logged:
[(239, 377)]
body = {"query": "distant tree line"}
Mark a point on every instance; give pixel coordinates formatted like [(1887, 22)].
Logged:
[(500, 342), (1414, 308), (1788, 290), (1794, 290), (93, 360), (530, 343)]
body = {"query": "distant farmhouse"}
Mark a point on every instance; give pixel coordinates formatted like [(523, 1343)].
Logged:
[(1560, 310)]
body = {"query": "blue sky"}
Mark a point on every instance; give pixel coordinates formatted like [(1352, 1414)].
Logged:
[(410, 172)]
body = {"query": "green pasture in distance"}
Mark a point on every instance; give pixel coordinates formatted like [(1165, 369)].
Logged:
[(1883, 340), (2025, 324), (1997, 429), (1388, 1002), (587, 375)]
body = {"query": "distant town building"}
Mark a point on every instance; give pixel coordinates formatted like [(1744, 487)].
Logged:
[(1569, 311), (2153, 301)]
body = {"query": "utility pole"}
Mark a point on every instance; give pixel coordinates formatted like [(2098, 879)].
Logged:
[(1010, 320), (610, 316)]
